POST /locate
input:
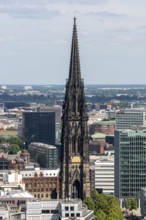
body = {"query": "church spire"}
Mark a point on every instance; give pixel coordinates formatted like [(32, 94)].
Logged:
[(75, 177), (74, 71), (74, 104)]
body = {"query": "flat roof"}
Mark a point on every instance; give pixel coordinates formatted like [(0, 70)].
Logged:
[(38, 144)]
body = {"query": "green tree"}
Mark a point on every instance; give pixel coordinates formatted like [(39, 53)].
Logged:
[(95, 195), (2, 140), (106, 207), (115, 214), (15, 143), (89, 203), (102, 204), (14, 140), (14, 149), (131, 204), (100, 215)]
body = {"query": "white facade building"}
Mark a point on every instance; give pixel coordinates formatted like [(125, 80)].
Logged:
[(104, 175), (38, 171), (58, 210), (11, 177), (4, 214)]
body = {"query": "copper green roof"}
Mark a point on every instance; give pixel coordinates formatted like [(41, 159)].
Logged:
[(98, 135), (105, 122)]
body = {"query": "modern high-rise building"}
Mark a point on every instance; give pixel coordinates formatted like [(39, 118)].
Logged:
[(57, 109), (46, 155), (130, 163), (38, 127), (75, 174), (131, 118)]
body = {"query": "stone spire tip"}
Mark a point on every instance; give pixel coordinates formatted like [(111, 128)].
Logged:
[(75, 16)]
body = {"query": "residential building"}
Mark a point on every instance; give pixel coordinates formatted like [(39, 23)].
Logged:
[(46, 155)]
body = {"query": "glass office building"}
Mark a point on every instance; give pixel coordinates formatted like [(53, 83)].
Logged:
[(38, 127), (46, 155), (130, 163), (127, 119)]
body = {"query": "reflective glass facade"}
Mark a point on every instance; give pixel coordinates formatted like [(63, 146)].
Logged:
[(130, 163), (39, 127), (126, 119)]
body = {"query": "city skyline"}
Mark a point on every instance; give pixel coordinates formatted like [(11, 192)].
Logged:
[(35, 41)]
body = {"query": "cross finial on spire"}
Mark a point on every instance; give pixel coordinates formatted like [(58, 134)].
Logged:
[(75, 16)]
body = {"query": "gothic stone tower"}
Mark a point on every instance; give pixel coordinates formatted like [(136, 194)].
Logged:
[(75, 175)]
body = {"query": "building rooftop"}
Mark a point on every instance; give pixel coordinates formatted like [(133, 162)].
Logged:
[(38, 144), (23, 194), (134, 132), (105, 160), (112, 122), (40, 172), (9, 185), (15, 194), (71, 201)]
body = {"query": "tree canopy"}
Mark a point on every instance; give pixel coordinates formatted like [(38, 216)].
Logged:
[(132, 204), (105, 207), (13, 145)]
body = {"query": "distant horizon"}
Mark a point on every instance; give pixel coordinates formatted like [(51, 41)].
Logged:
[(7, 84), (99, 84)]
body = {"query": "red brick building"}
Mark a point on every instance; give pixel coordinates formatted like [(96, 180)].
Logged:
[(42, 184), (105, 127)]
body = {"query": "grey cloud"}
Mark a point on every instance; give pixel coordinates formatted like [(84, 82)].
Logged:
[(105, 14), (143, 27), (6, 39), (29, 12), (118, 30)]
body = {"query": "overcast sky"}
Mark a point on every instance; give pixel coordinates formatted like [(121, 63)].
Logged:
[(35, 41)]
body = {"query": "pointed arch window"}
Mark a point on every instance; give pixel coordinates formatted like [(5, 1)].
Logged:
[(76, 189), (73, 145)]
